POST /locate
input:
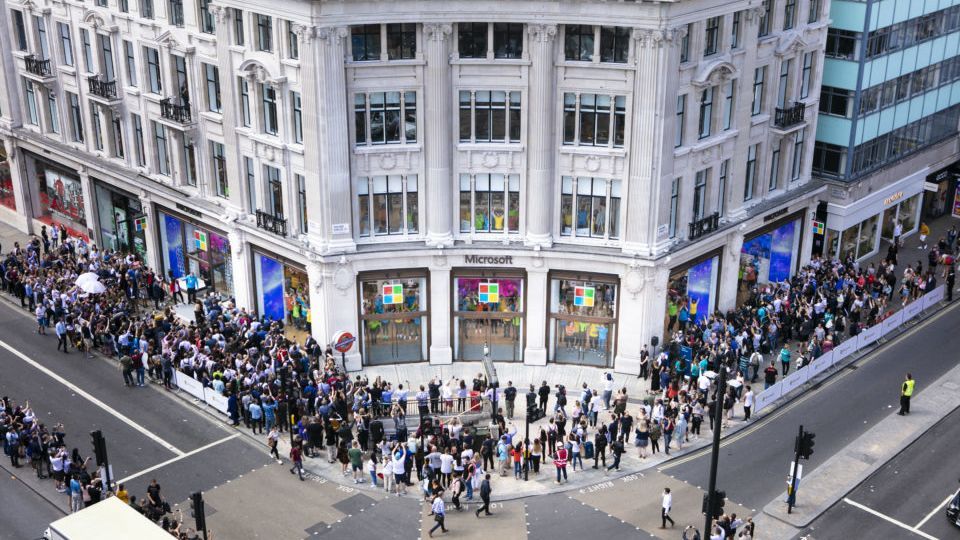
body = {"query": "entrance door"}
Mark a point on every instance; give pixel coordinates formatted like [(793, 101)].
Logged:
[(501, 335), (388, 341), (582, 342)]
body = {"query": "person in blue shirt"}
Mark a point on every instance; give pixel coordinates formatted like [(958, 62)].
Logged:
[(256, 416), (61, 331), (270, 412), (191, 282)]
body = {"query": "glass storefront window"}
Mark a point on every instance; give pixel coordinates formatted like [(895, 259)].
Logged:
[(122, 222), (393, 318), (768, 257), (189, 248), (488, 315), (6, 181), (848, 242), (867, 237), (282, 292), (691, 291), (908, 213), (583, 321), (61, 200)]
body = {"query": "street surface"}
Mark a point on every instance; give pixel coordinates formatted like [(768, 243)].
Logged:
[(151, 433)]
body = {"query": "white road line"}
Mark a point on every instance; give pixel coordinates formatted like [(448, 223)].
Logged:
[(887, 518), (91, 399), (934, 511), (178, 458)]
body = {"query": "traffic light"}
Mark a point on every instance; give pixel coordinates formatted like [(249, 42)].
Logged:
[(99, 447), (719, 498), (196, 511), (806, 444)]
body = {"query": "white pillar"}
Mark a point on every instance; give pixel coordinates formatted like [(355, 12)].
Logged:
[(729, 277), (153, 245), (438, 134), (441, 353), (335, 292), (541, 140), (538, 291), (243, 276), (89, 205), (21, 188), (334, 145)]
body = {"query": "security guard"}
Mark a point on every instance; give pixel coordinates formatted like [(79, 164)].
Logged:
[(906, 390)]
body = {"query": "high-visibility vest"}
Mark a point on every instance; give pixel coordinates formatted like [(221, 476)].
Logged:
[(908, 387)]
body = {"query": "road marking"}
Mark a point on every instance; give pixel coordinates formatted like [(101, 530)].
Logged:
[(178, 458), (887, 518), (934, 511), (79, 391), (796, 402)]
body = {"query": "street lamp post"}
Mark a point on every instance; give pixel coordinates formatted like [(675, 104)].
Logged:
[(715, 455)]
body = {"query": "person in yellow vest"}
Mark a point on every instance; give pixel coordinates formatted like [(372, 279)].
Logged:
[(906, 390)]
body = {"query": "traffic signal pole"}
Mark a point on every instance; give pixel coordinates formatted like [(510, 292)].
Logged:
[(792, 496), (715, 455), (100, 453)]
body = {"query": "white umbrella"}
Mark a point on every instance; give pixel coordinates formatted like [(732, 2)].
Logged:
[(87, 277), (93, 287)]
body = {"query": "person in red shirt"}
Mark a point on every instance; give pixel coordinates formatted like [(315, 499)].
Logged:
[(560, 461), (296, 457)]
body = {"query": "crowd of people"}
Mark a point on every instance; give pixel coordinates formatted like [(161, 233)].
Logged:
[(27, 440)]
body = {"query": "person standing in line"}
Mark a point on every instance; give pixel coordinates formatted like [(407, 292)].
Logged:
[(485, 491), (76, 494), (666, 504), (897, 233), (438, 511), (785, 359), (747, 403), (191, 282), (769, 376), (273, 439), (906, 392), (297, 459), (951, 281), (61, 330), (560, 462), (355, 455)]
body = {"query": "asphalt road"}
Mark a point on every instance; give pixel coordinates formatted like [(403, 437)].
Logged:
[(145, 428), (24, 514), (908, 489), (754, 463)]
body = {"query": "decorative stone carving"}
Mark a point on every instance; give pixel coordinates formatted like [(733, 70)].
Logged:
[(714, 74), (490, 159), (343, 277), (650, 37), (437, 32), (592, 163), (756, 12), (440, 260), (387, 161), (219, 13), (333, 35), (542, 32), (790, 44)]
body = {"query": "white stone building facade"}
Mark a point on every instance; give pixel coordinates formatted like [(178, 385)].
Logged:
[(543, 178)]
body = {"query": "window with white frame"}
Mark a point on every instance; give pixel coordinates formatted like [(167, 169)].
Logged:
[(293, 42), (33, 113), (106, 57), (264, 32), (795, 167), (20, 29), (95, 125), (706, 112), (53, 112), (589, 207), (766, 19), (138, 149), (153, 69), (751, 171), (489, 203), (490, 116), (301, 181), (774, 182), (161, 149), (483, 40), (759, 74), (40, 25), (66, 43), (76, 117), (584, 43), (189, 161), (674, 207), (117, 126), (131, 63), (274, 191), (239, 31), (789, 14), (251, 175), (594, 120), (735, 30), (722, 186), (297, 114), (245, 117), (385, 118), (146, 9), (268, 109), (700, 194), (711, 36), (208, 24), (387, 205), (729, 91), (219, 158), (784, 84), (87, 50), (212, 76), (805, 75), (679, 120), (365, 42)]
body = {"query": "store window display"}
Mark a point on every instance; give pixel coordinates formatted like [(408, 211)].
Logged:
[(393, 318)]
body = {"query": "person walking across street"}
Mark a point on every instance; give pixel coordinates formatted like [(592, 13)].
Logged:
[(666, 504), (906, 392), (485, 491), (438, 511), (297, 459)]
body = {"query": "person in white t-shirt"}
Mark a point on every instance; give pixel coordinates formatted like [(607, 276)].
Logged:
[(747, 403)]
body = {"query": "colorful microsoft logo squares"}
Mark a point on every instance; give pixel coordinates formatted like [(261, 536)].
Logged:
[(392, 293), (583, 296), (818, 227), (489, 293), (200, 240)]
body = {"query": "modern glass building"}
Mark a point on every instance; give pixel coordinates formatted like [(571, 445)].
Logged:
[(889, 107)]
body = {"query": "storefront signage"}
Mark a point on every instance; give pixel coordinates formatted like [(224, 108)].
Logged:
[(819, 227), (189, 210), (893, 198), (489, 293), (343, 341), (200, 240), (341, 228), (140, 224), (930, 186), (775, 215), (486, 259), (583, 296), (392, 293)]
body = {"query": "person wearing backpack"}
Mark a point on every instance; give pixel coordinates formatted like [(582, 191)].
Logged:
[(617, 449), (561, 400), (655, 432)]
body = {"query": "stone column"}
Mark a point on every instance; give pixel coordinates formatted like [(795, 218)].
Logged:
[(540, 136), (21, 218), (441, 353), (729, 277), (154, 255), (311, 133), (649, 130), (334, 146), (236, 175), (538, 295), (438, 134), (89, 205), (243, 278)]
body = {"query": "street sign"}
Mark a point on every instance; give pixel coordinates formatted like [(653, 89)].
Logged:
[(343, 341)]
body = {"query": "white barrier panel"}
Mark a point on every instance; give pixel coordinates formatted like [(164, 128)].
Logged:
[(215, 399), (766, 397), (892, 322), (844, 349), (793, 381), (821, 363), (869, 335), (189, 385), (933, 297), (912, 309)]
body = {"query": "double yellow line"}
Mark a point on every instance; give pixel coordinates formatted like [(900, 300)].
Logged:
[(726, 441)]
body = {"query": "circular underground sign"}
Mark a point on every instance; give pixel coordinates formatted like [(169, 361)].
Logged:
[(343, 341)]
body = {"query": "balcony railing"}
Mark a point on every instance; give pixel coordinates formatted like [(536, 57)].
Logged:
[(704, 226), (271, 223), (175, 112), (791, 116), (37, 67), (104, 89)]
